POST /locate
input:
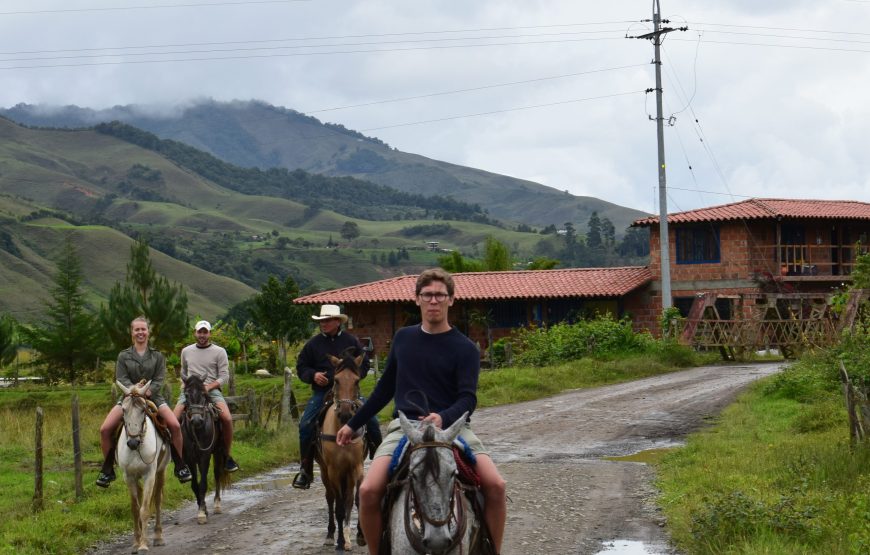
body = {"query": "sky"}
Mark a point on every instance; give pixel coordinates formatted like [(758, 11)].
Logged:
[(762, 99)]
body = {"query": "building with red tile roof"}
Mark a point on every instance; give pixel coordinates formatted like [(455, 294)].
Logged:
[(513, 298), (736, 256), (756, 247)]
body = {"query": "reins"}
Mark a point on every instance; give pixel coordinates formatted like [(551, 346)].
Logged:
[(149, 410), (205, 410)]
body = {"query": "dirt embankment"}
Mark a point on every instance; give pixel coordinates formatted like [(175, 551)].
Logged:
[(564, 497)]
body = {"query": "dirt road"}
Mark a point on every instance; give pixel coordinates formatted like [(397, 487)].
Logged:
[(564, 497)]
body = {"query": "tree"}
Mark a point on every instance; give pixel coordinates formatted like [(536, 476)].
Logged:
[(593, 235), (454, 262), (350, 230), (543, 263), (8, 339), (69, 341), (496, 256), (278, 316), (144, 293)]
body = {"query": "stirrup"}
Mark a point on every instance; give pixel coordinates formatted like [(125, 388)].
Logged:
[(302, 480)]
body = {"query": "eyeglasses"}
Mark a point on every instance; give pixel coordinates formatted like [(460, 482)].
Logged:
[(440, 297)]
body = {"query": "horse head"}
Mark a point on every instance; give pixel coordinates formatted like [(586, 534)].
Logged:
[(345, 388), (134, 407), (196, 402), (433, 490)]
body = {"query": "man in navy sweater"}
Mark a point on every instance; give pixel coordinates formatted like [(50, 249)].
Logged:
[(436, 359), (314, 367)]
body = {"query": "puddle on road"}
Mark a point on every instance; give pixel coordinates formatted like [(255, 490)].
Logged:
[(628, 547), (278, 479)]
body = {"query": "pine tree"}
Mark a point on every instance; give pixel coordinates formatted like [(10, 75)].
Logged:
[(69, 341), (8, 340), (144, 293), (278, 316), (593, 235)]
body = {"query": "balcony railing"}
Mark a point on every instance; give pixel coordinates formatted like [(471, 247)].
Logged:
[(812, 259)]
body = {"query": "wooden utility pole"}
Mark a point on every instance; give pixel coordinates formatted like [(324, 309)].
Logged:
[(664, 245)]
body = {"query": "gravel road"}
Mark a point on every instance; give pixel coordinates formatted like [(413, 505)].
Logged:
[(564, 497)]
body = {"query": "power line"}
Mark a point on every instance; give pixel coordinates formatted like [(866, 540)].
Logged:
[(471, 89), (280, 47), (157, 7), (492, 112), (297, 54)]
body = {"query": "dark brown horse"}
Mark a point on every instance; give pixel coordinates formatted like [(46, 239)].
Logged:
[(341, 468), (203, 440)]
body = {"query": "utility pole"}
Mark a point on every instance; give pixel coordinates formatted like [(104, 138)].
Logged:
[(664, 246)]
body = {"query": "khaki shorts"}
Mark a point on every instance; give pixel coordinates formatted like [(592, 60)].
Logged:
[(395, 435), (215, 395)]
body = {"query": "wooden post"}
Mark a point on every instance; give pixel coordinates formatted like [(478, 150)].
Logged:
[(77, 450), (37, 471), (232, 379), (288, 400), (253, 413), (508, 354)]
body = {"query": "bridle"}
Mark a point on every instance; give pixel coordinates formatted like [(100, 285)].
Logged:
[(148, 408), (203, 410), (456, 510)]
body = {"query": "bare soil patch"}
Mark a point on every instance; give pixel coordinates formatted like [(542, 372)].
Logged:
[(565, 498)]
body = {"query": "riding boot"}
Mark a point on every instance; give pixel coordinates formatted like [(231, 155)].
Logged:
[(107, 472), (373, 438), (181, 471), (303, 479)]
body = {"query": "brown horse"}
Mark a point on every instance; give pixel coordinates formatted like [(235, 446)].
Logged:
[(341, 468)]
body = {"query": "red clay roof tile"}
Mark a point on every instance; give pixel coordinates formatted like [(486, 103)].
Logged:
[(761, 209), (528, 284)]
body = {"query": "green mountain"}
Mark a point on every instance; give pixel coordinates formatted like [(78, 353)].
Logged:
[(220, 230), (256, 134)]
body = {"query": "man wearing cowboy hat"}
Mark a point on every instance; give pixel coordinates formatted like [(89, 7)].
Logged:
[(314, 367)]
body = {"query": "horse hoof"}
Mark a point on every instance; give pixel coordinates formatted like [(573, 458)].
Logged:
[(360, 540), (202, 519), (158, 542), (218, 510), (329, 541), (142, 551)]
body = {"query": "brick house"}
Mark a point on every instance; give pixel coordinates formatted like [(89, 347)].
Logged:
[(754, 257), (511, 299), (762, 259)]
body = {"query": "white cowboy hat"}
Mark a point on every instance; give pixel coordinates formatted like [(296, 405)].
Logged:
[(330, 311)]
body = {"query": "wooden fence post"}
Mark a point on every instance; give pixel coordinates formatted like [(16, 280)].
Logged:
[(232, 378), (77, 450), (37, 474), (288, 399), (253, 411)]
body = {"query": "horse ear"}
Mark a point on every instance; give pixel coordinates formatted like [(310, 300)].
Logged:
[(145, 386), (334, 360), (408, 427), (124, 389), (358, 361), (453, 431)]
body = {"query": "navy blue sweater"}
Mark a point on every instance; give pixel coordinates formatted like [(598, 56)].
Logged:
[(313, 357), (443, 366)]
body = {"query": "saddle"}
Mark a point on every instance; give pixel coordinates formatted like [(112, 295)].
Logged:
[(162, 429)]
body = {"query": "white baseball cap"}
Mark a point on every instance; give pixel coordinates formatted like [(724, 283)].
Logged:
[(202, 324)]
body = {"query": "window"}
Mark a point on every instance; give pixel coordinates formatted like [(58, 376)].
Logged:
[(509, 314), (697, 245)]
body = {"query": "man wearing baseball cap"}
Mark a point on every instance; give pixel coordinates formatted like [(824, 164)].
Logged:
[(210, 363)]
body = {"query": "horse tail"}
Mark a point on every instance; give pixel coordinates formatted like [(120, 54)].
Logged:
[(220, 455)]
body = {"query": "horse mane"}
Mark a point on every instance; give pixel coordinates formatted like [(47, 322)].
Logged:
[(348, 360), (431, 462), (193, 391)]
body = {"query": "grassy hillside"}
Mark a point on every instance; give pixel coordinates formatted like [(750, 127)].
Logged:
[(256, 134), (220, 243), (26, 279)]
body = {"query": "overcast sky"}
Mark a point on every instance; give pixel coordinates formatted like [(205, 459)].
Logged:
[(766, 98)]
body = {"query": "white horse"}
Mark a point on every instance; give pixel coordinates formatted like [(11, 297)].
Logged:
[(142, 456), (432, 513)]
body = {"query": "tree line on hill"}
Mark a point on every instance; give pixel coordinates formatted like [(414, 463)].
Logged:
[(346, 195), (72, 339)]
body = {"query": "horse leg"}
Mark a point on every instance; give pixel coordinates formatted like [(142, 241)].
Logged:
[(133, 487), (202, 515), (218, 477), (360, 538), (330, 507), (159, 482), (146, 493), (347, 498)]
